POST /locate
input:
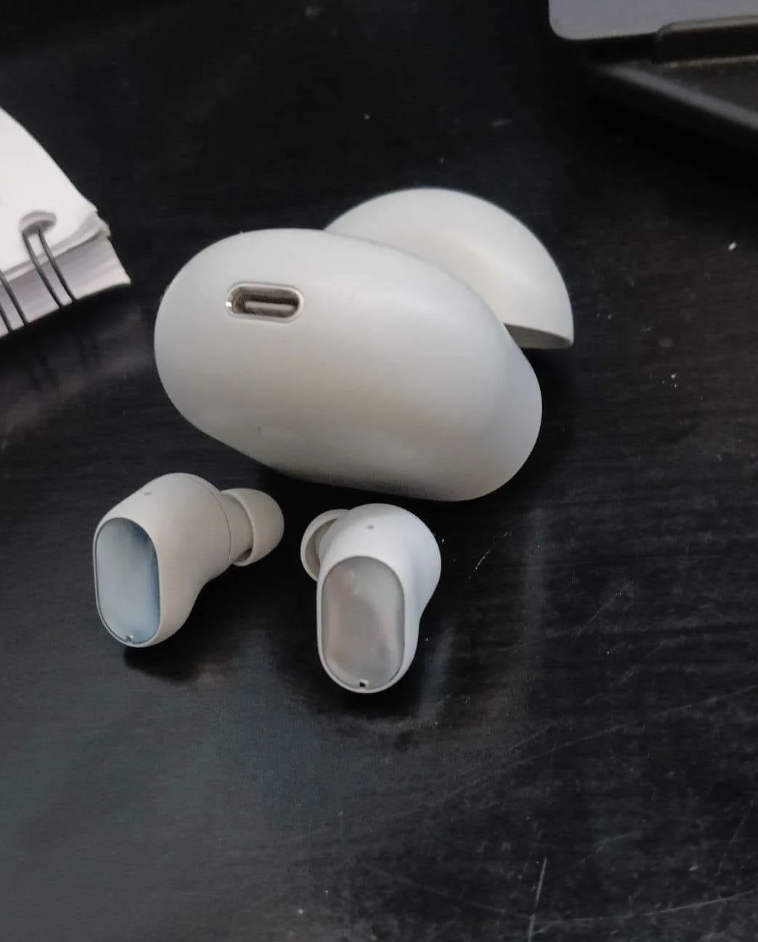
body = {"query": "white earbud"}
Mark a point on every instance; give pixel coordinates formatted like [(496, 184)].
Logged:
[(377, 567), (155, 551)]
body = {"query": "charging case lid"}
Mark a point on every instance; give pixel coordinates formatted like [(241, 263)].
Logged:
[(482, 245)]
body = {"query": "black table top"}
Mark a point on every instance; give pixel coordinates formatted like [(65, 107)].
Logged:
[(573, 754)]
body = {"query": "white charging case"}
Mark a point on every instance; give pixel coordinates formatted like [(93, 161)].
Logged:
[(336, 359)]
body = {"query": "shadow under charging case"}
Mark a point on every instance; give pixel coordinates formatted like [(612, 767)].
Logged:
[(338, 360)]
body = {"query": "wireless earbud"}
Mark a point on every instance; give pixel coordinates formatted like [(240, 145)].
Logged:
[(379, 354), (155, 551), (377, 567)]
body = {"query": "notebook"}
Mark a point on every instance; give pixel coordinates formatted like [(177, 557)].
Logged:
[(54, 248)]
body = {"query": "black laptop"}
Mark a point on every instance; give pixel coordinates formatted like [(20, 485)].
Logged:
[(695, 61)]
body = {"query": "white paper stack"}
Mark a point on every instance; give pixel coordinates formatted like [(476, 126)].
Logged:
[(54, 248)]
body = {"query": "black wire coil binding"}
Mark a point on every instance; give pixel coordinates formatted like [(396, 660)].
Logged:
[(35, 229)]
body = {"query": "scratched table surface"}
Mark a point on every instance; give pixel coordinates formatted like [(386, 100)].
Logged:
[(574, 754)]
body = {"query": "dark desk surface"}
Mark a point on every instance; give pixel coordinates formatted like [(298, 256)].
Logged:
[(573, 756)]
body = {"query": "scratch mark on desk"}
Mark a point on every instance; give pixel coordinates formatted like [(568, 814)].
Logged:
[(606, 731), (486, 776), (486, 553), (628, 675), (475, 781), (478, 780), (665, 643), (717, 698), (530, 934), (599, 847), (433, 891), (734, 837), (608, 603), (646, 914), (622, 727)]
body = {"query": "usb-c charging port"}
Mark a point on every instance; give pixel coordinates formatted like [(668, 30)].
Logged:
[(271, 302)]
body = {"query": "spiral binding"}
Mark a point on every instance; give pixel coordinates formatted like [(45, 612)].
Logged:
[(35, 229)]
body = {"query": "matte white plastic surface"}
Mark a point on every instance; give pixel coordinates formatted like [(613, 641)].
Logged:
[(392, 375), (484, 246), (377, 567), (155, 551)]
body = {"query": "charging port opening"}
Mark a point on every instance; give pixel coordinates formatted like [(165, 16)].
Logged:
[(272, 302)]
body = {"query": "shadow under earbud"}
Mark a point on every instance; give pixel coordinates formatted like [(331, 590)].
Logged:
[(483, 629), (173, 660), (207, 646)]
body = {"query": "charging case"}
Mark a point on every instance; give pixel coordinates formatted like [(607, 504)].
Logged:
[(340, 360)]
